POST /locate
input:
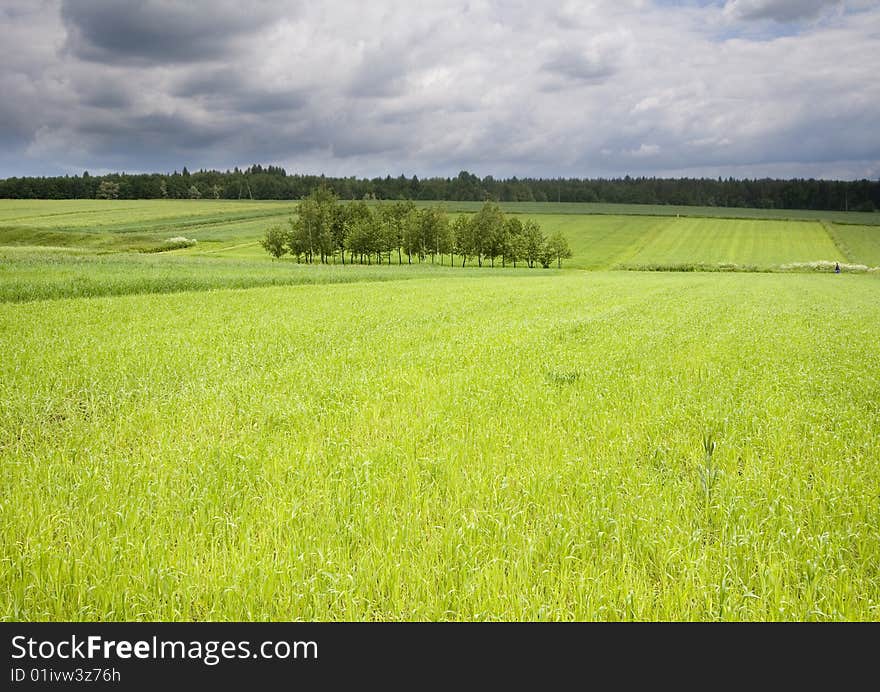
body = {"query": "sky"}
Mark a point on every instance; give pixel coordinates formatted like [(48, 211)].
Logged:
[(743, 88)]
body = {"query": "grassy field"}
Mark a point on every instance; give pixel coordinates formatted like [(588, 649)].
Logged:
[(423, 442), (28, 273), (135, 225), (576, 446), (601, 242), (131, 215), (80, 213), (858, 243), (51, 249), (594, 208), (752, 243)]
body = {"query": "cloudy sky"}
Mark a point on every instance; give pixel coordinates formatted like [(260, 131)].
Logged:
[(747, 88)]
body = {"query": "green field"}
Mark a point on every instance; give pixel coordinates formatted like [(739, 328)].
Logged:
[(51, 249), (604, 241), (859, 243), (39, 273), (209, 434), (740, 242), (131, 215), (594, 208), (421, 450), (123, 225)]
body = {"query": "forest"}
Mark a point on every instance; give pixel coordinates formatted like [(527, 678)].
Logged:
[(274, 182)]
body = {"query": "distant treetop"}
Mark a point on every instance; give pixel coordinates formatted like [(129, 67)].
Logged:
[(274, 182)]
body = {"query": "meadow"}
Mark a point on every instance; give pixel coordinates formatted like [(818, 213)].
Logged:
[(741, 242), (209, 434), (53, 249), (40, 273), (858, 243)]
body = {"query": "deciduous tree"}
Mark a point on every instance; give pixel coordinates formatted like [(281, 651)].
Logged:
[(275, 242), (557, 246), (107, 190)]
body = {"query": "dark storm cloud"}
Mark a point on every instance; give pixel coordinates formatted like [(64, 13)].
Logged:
[(826, 138), (106, 95), (270, 102), (810, 143), (158, 31), (234, 90), (348, 145), (165, 142), (108, 98), (602, 88), (16, 123), (168, 132)]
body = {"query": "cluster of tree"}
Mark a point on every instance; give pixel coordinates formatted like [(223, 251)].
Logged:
[(324, 230), (273, 182)]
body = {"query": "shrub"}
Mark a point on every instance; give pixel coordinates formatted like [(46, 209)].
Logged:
[(175, 243)]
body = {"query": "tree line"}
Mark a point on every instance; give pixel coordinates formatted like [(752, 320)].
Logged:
[(273, 182), (325, 231)]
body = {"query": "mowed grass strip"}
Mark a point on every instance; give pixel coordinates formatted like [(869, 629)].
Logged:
[(581, 208), (583, 446), (759, 244), (598, 241), (861, 243)]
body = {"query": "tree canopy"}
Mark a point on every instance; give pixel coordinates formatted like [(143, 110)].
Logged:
[(325, 231)]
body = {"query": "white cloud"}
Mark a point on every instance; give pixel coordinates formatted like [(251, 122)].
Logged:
[(644, 150)]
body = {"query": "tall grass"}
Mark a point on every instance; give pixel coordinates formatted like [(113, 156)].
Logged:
[(578, 446), (28, 274)]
